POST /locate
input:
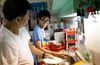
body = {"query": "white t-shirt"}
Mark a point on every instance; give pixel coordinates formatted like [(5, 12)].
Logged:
[(14, 50)]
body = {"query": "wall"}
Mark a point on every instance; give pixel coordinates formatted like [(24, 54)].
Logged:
[(48, 1), (1, 10), (1, 2)]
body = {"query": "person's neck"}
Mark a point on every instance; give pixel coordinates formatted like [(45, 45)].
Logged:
[(12, 27), (40, 26)]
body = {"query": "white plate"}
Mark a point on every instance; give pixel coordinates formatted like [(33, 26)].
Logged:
[(54, 60)]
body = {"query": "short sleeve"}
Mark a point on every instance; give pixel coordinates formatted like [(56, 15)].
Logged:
[(8, 54), (25, 34), (36, 35)]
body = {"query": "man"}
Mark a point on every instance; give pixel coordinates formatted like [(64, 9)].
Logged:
[(15, 48)]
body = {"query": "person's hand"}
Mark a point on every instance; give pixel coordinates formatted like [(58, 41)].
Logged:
[(47, 55), (63, 56)]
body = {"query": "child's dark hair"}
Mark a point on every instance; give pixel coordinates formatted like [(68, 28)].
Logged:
[(15, 8), (44, 13)]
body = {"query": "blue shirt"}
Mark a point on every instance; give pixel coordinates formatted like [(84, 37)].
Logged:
[(38, 34)]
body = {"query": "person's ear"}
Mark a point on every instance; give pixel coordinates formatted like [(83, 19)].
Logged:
[(18, 20)]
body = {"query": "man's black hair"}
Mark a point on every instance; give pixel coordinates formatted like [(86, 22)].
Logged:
[(44, 13), (15, 8)]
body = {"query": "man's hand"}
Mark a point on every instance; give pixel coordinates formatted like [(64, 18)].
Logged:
[(48, 55), (63, 56)]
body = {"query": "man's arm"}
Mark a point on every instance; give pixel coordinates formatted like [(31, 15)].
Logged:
[(58, 54), (35, 50), (38, 45), (38, 52)]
